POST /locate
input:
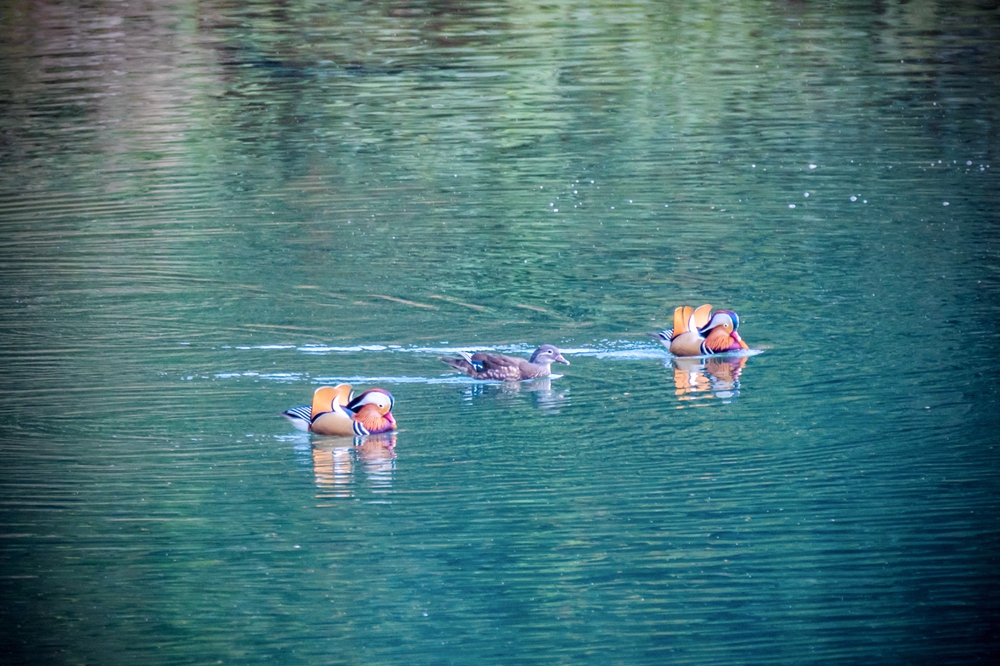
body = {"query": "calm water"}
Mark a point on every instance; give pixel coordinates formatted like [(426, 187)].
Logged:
[(209, 209)]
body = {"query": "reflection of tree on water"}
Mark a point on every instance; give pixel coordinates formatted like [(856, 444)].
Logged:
[(543, 396), (335, 459), (697, 378)]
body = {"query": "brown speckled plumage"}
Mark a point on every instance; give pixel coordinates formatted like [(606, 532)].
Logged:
[(498, 367)]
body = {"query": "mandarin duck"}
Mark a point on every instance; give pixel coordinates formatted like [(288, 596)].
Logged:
[(699, 332), (506, 368), (334, 412)]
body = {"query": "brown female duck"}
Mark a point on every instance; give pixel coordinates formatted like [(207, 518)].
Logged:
[(506, 368)]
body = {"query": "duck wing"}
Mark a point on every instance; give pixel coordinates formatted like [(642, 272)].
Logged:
[(700, 317), (689, 319), (327, 398), (497, 367), (503, 368)]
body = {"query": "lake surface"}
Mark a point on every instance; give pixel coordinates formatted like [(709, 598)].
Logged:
[(208, 210)]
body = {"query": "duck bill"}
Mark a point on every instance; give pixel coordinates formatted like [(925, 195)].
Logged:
[(743, 345), (560, 359)]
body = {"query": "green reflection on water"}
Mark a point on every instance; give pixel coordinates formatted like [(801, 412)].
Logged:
[(194, 195)]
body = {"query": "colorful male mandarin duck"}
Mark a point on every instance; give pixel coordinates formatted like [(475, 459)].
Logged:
[(333, 412), (699, 332), (506, 368)]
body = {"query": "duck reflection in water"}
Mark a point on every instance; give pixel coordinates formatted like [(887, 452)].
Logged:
[(335, 460), (540, 389), (697, 378)]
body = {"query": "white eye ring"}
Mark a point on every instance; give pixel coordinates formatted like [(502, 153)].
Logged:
[(378, 400)]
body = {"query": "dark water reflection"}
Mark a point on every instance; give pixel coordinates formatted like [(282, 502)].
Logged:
[(697, 378), (335, 461), (207, 211), (544, 396)]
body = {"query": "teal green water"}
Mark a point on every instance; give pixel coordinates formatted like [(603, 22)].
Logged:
[(209, 209)]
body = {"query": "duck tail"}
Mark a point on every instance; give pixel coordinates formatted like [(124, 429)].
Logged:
[(463, 365), (299, 416), (664, 336)]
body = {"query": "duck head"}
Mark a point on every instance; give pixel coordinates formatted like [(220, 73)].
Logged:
[(546, 355), (722, 326), (374, 407), (379, 398), (728, 319)]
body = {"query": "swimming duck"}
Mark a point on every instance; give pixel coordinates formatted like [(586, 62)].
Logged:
[(699, 332), (334, 412), (506, 368)]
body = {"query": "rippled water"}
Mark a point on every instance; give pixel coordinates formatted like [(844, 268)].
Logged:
[(207, 211)]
